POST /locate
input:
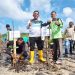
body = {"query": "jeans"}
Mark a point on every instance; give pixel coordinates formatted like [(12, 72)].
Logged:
[(67, 46)]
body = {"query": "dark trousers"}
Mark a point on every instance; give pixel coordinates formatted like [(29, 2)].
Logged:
[(55, 49), (36, 40), (9, 47), (71, 46)]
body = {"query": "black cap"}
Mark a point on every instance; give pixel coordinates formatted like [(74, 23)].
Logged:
[(20, 39), (71, 23), (7, 25)]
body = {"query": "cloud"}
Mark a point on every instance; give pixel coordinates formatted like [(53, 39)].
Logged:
[(20, 1), (67, 11), (68, 20), (12, 9), (3, 29), (23, 29), (42, 5), (69, 14)]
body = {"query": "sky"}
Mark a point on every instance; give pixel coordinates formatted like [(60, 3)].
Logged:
[(18, 12)]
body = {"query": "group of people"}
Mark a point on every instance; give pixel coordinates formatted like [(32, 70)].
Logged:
[(35, 25)]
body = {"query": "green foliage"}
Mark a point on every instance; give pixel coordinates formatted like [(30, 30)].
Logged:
[(22, 35), (4, 35)]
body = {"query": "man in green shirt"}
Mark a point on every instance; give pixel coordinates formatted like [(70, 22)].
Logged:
[(56, 34), (56, 26)]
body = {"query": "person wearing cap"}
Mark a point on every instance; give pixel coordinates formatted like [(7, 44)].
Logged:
[(8, 29), (8, 41)]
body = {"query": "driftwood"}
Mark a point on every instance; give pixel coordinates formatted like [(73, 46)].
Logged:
[(49, 56)]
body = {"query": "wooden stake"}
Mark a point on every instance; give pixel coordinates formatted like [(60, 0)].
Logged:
[(14, 51)]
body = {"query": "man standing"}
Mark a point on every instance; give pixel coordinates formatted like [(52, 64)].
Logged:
[(56, 35), (8, 29), (56, 26), (9, 42), (70, 35), (35, 37)]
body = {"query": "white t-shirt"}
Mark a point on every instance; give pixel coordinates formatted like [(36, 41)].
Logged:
[(35, 28), (74, 36), (70, 33), (45, 31)]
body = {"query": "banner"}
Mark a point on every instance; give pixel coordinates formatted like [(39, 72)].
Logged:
[(14, 34), (45, 31)]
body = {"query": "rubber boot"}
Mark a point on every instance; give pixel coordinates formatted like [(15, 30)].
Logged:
[(41, 56), (31, 57)]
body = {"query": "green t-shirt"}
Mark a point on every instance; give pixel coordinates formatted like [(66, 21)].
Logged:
[(56, 30), (26, 39)]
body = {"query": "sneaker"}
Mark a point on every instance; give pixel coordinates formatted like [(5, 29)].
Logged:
[(65, 55), (59, 62)]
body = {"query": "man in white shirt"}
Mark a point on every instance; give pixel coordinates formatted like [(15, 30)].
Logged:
[(35, 37), (70, 35)]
